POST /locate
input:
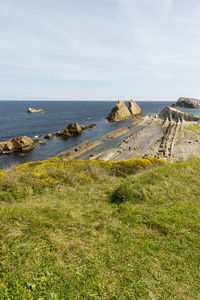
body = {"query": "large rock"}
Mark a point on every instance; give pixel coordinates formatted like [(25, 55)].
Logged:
[(35, 111), (17, 144), (119, 112), (134, 108), (175, 115), (74, 128), (187, 103), (71, 130)]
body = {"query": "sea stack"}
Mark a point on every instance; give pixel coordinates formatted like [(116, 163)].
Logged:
[(134, 108), (121, 112)]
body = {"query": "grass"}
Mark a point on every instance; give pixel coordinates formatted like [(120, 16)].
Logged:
[(75, 242), (193, 127)]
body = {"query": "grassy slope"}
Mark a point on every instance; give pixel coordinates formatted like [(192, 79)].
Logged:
[(72, 243)]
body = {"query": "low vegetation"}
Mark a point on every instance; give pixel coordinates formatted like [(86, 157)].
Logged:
[(193, 127), (100, 230)]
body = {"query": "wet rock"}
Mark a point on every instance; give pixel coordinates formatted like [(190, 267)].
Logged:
[(171, 114), (187, 103), (35, 111), (17, 144)]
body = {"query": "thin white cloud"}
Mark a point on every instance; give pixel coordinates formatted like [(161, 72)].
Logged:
[(132, 43)]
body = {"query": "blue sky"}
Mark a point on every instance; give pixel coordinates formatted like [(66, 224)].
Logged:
[(99, 49)]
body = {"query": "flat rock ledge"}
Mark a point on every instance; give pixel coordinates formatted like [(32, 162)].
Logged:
[(34, 111), (187, 103), (72, 129), (17, 144), (172, 114), (121, 112)]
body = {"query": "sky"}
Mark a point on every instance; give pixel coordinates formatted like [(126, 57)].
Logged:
[(99, 49)]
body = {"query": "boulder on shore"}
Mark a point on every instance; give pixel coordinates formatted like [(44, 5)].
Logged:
[(17, 144), (187, 103), (121, 112), (174, 115), (35, 111)]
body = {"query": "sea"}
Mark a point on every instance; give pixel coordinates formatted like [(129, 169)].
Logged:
[(15, 121)]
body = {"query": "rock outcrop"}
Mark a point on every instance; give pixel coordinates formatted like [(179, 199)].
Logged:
[(72, 129), (17, 144), (121, 112), (187, 103), (35, 111), (134, 108), (174, 115)]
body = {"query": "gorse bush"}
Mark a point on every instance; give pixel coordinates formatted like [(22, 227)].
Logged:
[(39, 175)]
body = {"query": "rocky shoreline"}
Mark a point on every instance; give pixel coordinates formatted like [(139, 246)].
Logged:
[(167, 135)]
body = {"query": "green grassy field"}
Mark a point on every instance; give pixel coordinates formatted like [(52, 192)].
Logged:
[(82, 230)]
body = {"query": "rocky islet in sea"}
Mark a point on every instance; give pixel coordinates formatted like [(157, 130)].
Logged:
[(35, 111), (72, 129), (121, 112), (187, 103)]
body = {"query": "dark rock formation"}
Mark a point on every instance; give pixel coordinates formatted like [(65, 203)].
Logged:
[(49, 136), (84, 127), (74, 128), (187, 103), (175, 115), (17, 144), (134, 108), (35, 111), (71, 130), (121, 112)]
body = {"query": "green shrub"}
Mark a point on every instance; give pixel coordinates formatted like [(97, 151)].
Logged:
[(125, 193)]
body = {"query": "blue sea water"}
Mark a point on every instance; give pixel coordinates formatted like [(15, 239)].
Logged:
[(15, 121)]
